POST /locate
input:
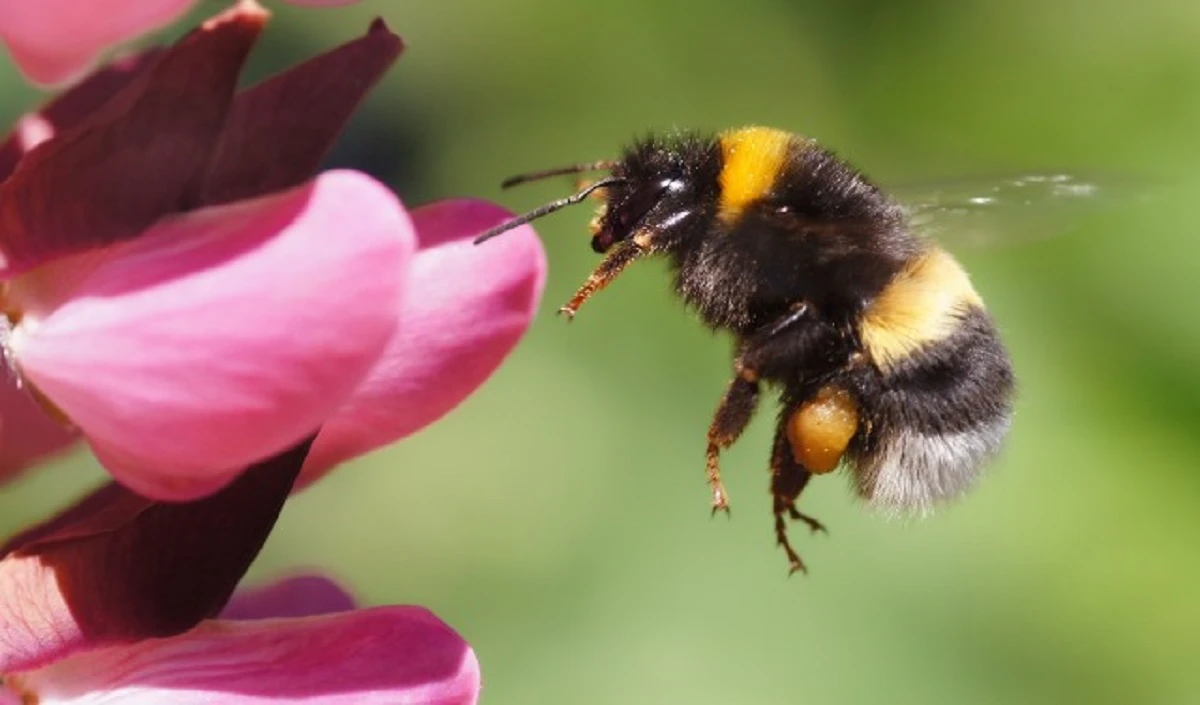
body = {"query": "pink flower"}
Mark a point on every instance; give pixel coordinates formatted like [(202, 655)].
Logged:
[(193, 301), (99, 603), (185, 293), (54, 41)]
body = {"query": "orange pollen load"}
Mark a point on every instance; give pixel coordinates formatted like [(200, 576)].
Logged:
[(821, 429)]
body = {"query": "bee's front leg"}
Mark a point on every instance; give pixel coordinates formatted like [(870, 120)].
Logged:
[(618, 258)]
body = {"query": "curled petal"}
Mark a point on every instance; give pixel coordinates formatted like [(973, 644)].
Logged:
[(278, 130), (467, 307), (297, 596), (55, 40), (71, 107), (385, 655), (118, 567), (27, 433), (220, 337), (139, 157)]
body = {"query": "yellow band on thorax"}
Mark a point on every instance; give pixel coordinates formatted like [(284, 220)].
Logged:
[(752, 158)]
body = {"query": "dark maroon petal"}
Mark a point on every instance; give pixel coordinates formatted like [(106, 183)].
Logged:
[(129, 568), (279, 130), (28, 435), (141, 156), (88, 513), (70, 108)]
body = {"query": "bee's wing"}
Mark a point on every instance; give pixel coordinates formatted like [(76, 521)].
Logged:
[(1008, 209)]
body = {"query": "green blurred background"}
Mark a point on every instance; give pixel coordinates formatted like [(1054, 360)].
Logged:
[(559, 518)]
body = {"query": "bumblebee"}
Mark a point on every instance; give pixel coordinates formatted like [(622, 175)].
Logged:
[(886, 360)]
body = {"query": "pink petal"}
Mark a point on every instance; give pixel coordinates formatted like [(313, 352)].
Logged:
[(220, 337), (55, 40), (117, 567), (381, 656), (467, 307), (298, 596), (27, 433)]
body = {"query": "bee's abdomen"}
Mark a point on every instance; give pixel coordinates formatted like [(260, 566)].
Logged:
[(937, 397)]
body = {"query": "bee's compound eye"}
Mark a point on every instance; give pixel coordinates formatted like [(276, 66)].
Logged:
[(631, 210), (783, 209)]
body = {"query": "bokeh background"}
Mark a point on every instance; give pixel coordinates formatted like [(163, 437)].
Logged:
[(559, 518)]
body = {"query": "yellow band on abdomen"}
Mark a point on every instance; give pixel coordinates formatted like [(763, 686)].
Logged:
[(922, 304)]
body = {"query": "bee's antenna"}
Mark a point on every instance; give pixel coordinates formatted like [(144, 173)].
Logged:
[(547, 209), (557, 171)]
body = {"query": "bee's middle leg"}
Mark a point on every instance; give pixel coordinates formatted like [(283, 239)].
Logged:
[(766, 347), (730, 420)]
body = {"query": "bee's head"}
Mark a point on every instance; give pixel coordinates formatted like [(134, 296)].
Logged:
[(659, 186), (631, 205), (664, 186)]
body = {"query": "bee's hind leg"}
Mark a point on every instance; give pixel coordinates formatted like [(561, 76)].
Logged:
[(812, 437), (788, 480)]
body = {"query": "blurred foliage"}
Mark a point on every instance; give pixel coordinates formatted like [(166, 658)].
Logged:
[(560, 518)]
